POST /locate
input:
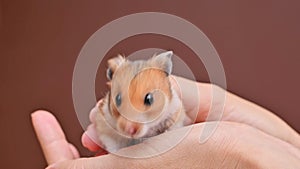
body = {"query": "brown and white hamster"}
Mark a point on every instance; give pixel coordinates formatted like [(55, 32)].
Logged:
[(141, 102)]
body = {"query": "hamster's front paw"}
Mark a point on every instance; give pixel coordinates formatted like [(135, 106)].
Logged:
[(107, 135), (101, 103), (96, 110)]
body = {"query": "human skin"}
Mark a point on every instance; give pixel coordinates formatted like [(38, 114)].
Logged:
[(248, 136)]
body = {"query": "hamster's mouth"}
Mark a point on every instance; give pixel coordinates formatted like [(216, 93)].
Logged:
[(147, 131), (131, 133)]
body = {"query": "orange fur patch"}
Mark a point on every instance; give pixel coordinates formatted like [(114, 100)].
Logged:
[(113, 109), (145, 82)]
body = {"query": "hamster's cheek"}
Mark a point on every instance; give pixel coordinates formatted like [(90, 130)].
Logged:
[(143, 130), (118, 125)]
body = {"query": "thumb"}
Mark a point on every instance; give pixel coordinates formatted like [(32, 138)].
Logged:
[(104, 161)]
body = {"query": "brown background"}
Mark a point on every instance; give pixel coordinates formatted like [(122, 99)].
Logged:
[(258, 42)]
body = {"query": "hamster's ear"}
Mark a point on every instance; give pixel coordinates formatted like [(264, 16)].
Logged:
[(163, 61), (113, 65)]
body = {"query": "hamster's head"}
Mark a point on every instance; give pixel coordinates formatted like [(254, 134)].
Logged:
[(139, 93)]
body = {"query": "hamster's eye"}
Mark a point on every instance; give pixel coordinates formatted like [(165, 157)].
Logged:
[(148, 99), (109, 73), (118, 100)]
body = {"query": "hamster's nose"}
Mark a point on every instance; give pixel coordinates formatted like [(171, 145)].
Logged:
[(131, 129)]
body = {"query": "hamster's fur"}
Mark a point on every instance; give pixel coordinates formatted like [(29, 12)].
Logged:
[(141, 102)]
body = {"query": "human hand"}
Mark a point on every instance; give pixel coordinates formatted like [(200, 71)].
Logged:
[(232, 145), (233, 108), (236, 109), (198, 106)]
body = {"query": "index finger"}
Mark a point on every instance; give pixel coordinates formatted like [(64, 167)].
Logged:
[(52, 138)]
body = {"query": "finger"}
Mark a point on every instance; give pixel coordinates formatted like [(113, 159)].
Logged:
[(101, 152), (51, 137), (209, 106), (231, 145), (104, 161), (89, 139), (74, 151), (244, 111), (89, 143), (118, 161), (196, 97)]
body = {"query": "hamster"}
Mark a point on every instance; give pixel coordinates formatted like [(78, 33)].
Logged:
[(141, 102)]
